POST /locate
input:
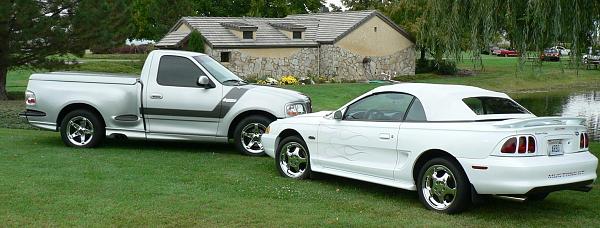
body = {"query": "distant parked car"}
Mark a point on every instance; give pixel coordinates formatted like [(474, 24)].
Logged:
[(550, 55), (450, 143), (490, 50), (507, 53), (562, 50), (591, 57)]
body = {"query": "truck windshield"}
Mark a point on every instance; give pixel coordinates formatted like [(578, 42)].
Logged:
[(217, 70)]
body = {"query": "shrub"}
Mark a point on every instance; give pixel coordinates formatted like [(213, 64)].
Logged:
[(446, 68), (424, 66), (288, 80), (195, 42)]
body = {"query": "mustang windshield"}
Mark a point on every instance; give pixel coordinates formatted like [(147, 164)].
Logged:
[(222, 74), (494, 105)]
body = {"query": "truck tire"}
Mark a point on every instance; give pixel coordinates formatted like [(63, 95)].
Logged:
[(443, 186), (247, 133), (82, 129)]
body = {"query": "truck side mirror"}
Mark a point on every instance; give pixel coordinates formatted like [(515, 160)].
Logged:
[(204, 82), (337, 115)]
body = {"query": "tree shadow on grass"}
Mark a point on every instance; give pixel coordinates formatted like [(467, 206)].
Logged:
[(489, 209), (137, 145), (175, 146)]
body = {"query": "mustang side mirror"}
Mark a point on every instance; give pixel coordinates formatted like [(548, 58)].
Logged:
[(337, 115), (204, 82)]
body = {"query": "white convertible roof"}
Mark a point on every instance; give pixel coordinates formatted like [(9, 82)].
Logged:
[(444, 102)]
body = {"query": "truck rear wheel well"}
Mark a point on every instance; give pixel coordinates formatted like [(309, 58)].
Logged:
[(428, 155), (77, 106), (245, 114)]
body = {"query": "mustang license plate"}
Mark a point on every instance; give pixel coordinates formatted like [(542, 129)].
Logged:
[(555, 147)]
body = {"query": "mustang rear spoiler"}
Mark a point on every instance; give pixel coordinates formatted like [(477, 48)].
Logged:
[(540, 121)]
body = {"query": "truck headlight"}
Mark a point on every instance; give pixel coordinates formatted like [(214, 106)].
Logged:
[(294, 109)]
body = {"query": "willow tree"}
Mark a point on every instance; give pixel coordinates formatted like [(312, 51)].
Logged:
[(530, 25)]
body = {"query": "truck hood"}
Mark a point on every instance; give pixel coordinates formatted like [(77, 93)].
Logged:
[(276, 92)]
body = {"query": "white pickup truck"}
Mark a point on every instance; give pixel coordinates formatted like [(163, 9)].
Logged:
[(179, 96)]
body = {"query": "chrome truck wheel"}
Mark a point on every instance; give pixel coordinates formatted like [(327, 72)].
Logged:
[(292, 158), (251, 134), (443, 186), (247, 135), (82, 128), (80, 131)]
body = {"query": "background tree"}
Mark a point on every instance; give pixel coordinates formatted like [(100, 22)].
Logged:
[(335, 8), (195, 42), (528, 25), (355, 5)]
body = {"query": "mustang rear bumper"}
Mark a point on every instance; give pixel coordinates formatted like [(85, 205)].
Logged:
[(525, 175)]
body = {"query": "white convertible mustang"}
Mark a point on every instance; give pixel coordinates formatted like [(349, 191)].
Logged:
[(448, 142)]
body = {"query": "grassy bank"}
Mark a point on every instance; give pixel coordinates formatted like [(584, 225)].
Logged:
[(178, 184)]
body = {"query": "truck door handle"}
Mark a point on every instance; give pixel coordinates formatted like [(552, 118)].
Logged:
[(385, 136), (156, 96)]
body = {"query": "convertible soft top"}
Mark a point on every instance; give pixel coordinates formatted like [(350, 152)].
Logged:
[(445, 102)]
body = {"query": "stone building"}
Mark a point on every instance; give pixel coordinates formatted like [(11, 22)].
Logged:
[(351, 45)]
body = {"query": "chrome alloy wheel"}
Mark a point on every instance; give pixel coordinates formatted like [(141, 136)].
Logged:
[(80, 131), (439, 187), (251, 134), (293, 159)]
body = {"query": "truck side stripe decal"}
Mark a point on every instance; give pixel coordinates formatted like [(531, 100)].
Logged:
[(218, 112)]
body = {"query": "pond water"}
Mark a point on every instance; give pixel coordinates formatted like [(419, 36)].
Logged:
[(584, 104)]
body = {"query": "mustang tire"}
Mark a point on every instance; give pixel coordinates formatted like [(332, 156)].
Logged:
[(443, 186), (247, 135), (82, 128), (292, 158)]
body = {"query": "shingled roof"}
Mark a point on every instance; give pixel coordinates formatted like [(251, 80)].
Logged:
[(318, 28)]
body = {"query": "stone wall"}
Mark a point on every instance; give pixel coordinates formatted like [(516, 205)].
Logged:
[(335, 62), (342, 64), (302, 62)]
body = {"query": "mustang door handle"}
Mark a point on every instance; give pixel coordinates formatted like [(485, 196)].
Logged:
[(385, 136), (155, 96)]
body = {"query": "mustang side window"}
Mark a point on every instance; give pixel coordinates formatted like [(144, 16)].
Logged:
[(493, 105), (178, 71), (416, 112), (379, 107)]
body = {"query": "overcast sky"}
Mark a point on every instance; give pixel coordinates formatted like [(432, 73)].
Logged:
[(336, 2)]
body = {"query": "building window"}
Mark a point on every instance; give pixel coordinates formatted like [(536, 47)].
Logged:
[(297, 35), (375, 28), (225, 56), (248, 35)]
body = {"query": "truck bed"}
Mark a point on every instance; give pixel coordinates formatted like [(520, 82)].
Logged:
[(86, 77)]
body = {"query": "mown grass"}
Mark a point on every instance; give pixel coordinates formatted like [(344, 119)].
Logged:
[(135, 183)]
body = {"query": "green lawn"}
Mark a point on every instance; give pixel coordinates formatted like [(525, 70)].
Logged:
[(134, 183)]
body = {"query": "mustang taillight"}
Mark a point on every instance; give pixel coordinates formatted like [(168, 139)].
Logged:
[(509, 146), (531, 144), (521, 145), (584, 140)]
